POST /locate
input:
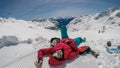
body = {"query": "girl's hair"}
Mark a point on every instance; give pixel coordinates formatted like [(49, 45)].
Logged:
[(55, 38)]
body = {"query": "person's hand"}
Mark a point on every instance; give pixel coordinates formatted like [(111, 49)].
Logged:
[(38, 65)]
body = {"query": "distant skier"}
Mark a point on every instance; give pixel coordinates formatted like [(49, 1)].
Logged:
[(64, 49)]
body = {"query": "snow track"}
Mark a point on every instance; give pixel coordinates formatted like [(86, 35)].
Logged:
[(28, 62), (21, 61)]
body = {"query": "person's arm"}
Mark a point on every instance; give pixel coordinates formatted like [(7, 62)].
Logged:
[(63, 31), (43, 52)]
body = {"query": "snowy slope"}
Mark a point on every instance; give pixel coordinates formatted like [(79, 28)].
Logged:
[(97, 31), (109, 19)]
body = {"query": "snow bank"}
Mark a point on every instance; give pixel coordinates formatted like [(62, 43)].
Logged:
[(8, 41)]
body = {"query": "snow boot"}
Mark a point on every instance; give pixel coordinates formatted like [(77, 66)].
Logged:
[(83, 50)]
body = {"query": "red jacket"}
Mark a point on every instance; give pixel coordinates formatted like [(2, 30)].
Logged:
[(70, 52)]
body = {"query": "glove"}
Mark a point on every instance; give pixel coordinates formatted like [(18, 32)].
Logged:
[(38, 65), (39, 60)]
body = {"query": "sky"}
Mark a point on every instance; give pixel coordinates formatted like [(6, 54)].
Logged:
[(30, 9)]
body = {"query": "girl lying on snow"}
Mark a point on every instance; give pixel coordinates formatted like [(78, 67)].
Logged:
[(64, 49)]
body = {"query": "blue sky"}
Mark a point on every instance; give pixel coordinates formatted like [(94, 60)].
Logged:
[(29, 9)]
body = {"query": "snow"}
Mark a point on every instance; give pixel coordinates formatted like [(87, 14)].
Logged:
[(9, 40), (23, 55)]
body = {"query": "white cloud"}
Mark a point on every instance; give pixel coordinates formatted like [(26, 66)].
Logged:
[(70, 11)]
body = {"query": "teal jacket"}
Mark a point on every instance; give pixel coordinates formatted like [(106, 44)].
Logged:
[(64, 34)]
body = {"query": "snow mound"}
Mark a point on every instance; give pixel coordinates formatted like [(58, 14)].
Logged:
[(8, 41)]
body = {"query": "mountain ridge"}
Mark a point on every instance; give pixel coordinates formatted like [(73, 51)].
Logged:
[(109, 17)]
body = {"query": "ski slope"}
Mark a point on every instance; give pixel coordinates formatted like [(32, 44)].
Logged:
[(23, 55)]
